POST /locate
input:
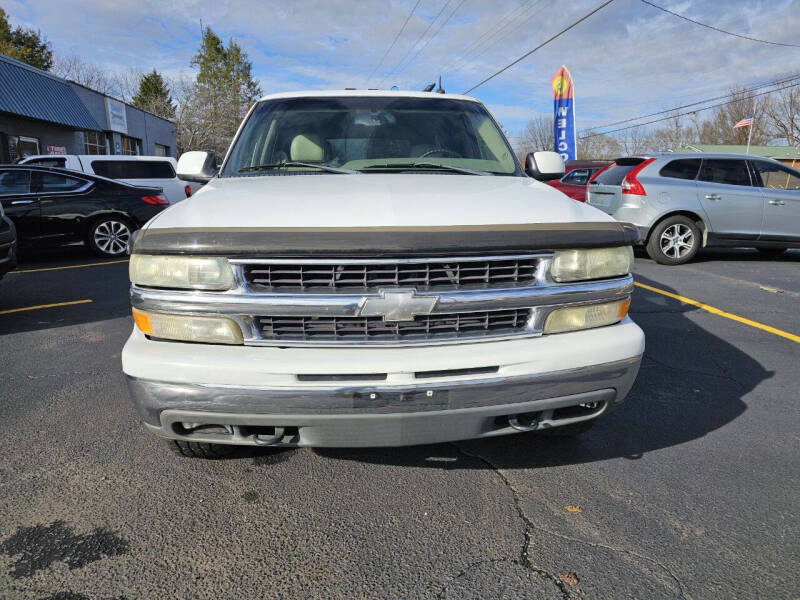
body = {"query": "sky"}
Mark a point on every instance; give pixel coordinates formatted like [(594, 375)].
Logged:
[(627, 60)]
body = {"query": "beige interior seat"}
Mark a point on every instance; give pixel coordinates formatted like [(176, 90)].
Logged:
[(307, 147)]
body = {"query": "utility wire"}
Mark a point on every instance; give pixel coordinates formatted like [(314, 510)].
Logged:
[(414, 45), (428, 41), (490, 31), (674, 108), (527, 54), (397, 37), (480, 51), (744, 37), (591, 135)]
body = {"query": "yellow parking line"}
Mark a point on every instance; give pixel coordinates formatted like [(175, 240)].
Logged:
[(721, 313), (97, 264), (37, 307)]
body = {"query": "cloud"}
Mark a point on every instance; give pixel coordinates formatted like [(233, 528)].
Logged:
[(628, 59)]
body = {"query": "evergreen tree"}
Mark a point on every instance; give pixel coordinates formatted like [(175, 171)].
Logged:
[(223, 90), (153, 96), (26, 45)]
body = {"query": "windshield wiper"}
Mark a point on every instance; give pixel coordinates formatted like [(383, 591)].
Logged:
[(428, 165), (296, 163)]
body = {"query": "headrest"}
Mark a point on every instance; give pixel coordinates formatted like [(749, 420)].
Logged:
[(307, 148)]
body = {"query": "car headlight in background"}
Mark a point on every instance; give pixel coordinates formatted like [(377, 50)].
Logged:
[(595, 263), (588, 316), (188, 328), (185, 272)]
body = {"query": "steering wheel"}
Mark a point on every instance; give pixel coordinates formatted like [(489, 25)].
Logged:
[(444, 150)]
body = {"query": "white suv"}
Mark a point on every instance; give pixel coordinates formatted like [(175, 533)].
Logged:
[(143, 171), (376, 269)]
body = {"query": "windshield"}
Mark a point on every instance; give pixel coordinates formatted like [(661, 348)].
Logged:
[(370, 134)]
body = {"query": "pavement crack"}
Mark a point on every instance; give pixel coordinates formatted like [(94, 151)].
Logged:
[(530, 526), (524, 559)]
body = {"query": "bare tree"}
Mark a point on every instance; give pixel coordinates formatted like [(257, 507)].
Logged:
[(719, 128), (598, 147), (85, 73), (783, 115), (538, 134)]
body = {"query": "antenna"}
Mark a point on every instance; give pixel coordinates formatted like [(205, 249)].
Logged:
[(441, 89)]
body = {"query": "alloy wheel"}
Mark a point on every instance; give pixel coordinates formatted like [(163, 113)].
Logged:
[(677, 241), (112, 237)]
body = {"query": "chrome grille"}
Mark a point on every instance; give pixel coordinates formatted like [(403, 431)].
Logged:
[(368, 275), (427, 327)]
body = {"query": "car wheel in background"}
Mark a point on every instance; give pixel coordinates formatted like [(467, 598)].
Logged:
[(674, 241), (109, 236)]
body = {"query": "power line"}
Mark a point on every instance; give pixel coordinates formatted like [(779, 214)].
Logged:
[(425, 45), (527, 54), (491, 31), (591, 135), (480, 51), (744, 37), (414, 45), (397, 37), (669, 110)]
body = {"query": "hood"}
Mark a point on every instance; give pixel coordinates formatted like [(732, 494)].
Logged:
[(377, 214), (374, 200)]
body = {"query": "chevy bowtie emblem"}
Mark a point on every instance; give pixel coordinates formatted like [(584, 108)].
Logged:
[(398, 305)]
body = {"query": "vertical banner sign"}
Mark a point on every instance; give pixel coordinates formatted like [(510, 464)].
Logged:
[(564, 114)]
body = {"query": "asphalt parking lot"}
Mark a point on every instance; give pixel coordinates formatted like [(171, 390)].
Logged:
[(689, 491)]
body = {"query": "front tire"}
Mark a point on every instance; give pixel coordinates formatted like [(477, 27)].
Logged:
[(674, 241), (109, 236), (202, 450)]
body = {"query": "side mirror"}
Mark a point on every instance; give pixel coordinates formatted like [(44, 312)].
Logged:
[(197, 166), (544, 166)]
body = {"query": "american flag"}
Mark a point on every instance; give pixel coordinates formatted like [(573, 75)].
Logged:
[(748, 120)]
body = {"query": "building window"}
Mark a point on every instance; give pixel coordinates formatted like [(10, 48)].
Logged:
[(130, 146), (94, 142), (162, 150), (20, 147)]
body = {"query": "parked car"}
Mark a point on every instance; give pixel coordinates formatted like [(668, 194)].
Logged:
[(51, 206), (576, 177), (683, 202), (145, 171), (374, 268), (8, 242)]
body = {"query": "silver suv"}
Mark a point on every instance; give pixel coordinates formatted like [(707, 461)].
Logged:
[(683, 202)]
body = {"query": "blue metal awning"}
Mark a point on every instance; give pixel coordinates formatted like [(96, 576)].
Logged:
[(32, 93)]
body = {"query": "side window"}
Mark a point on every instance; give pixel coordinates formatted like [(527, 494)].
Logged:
[(15, 182), (48, 162), (134, 169), (577, 177), (775, 176), (52, 183), (685, 168), (730, 171)]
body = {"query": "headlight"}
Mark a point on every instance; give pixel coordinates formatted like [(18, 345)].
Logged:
[(597, 263), (573, 318), (192, 272), (188, 328)]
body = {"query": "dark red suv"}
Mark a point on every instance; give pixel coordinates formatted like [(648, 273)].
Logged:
[(576, 176)]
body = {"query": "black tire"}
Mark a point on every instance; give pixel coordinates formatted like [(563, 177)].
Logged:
[(202, 449), (109, 236), (771, 252), (570, 430), (678, 227)]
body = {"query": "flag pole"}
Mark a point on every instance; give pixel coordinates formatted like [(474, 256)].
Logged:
[(750, 134)]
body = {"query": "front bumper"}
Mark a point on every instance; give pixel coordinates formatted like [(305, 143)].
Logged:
[(8, 246), (253, 397)]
